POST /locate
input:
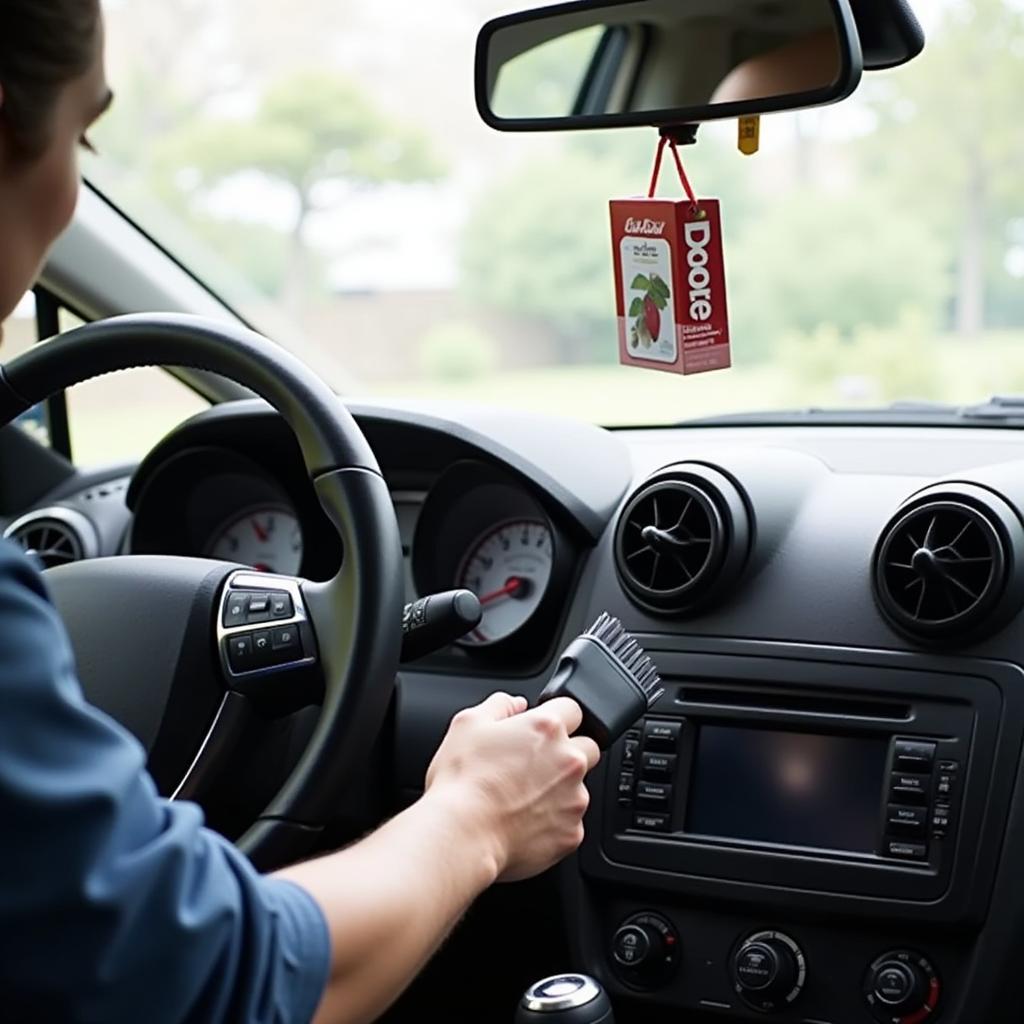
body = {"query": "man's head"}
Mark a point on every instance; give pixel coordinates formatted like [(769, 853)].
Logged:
[(52, 88)]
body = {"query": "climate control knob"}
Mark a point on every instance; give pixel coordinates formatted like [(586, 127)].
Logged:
[(645, 950), (901, 986), (768, 971)]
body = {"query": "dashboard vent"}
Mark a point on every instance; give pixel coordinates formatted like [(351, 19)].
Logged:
[(54, 537), (942, 566), (678, 536)]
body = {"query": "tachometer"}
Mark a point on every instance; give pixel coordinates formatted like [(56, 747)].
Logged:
[(509, 569), (268, 539)]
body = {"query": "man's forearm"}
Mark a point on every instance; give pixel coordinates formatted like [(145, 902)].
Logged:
[(401, 890)]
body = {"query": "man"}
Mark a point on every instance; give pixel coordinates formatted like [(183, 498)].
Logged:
[(118, 906)]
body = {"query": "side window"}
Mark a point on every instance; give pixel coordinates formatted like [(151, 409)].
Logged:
[(116, 418), (119, 417), (20, 332)]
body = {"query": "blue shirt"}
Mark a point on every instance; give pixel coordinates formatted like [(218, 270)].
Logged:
[(116, 905)]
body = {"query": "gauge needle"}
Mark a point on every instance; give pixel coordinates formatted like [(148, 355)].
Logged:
[(512, 587), (262, 534)]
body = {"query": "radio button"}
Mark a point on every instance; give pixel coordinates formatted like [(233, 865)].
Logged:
[(658, 766), (629, 753), (625, 788), (913, 756), (654, 794), (651, 822), (909, 820), (908, 788), (905, 850), (940, 820), (661, 735)]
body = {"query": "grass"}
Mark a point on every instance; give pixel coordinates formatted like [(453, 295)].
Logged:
[(123, 416)]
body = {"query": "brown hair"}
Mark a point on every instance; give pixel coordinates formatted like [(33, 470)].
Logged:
[(44, 44)]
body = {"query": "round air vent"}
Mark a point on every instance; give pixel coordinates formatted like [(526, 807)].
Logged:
[(54, 536), (682, 539), (944, 565)]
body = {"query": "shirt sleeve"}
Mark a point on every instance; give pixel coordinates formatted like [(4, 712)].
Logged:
[(116, 905)]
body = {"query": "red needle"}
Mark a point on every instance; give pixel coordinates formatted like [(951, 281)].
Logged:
[(260, 532), (512, 585)]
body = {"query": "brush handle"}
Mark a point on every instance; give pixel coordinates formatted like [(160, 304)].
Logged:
[(611, 701)]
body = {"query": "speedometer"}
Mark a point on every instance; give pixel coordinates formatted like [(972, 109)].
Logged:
[(509, 569), (267, 539)]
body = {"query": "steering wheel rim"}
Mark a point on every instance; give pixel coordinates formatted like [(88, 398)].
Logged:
[(356, 615)]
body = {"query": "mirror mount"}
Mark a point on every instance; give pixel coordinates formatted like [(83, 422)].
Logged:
[(680, 134)]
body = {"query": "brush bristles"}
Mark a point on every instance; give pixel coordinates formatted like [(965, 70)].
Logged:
[(630, 655)]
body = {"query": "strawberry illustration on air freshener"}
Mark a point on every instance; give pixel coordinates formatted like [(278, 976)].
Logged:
[(645, 309)]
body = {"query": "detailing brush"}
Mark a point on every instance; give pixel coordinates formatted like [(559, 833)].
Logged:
[(607, 673)]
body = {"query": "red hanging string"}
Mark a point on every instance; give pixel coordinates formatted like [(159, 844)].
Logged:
[(663, 142)]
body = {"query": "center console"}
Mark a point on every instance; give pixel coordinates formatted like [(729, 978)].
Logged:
[(782, 835)]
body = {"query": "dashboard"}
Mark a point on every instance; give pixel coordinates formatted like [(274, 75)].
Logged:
[(820, 821)]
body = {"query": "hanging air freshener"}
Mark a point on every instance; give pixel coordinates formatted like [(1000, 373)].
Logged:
[(670, 279)]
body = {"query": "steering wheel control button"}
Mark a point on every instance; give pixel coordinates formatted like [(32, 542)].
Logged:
[(236, 608), (262, 648), (285, 642), (768, 971), (902, 987), (645, 950), (283, 639), (240, 654), (259, 608)]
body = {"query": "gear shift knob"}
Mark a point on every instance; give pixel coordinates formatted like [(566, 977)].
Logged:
[(565, 999)]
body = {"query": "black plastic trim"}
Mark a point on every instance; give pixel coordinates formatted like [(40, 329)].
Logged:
[(845, 84)]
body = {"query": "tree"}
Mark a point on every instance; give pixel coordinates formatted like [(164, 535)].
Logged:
[(308, 130), (949, 145), (813, 260)]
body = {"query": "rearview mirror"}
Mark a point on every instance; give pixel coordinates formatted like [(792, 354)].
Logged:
[(615, 63)]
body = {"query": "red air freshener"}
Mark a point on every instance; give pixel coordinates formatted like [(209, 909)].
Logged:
[(670, 282)]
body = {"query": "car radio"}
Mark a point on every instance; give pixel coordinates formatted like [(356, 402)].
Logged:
[(826, 790), (841, 794)]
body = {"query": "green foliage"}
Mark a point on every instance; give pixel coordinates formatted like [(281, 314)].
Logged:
[(308, 128), (457, 351), (873, 364), (545, 81), (814, 260), (538, 245)]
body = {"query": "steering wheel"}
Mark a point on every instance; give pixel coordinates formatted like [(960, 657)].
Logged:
[(183, 650)]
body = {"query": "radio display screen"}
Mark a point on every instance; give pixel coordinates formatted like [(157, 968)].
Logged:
[(796, 789)]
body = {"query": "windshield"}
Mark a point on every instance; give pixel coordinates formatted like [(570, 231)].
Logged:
[(321, 164)]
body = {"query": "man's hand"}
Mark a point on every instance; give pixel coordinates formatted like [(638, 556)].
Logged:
[(515, 780), (505, 799)]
